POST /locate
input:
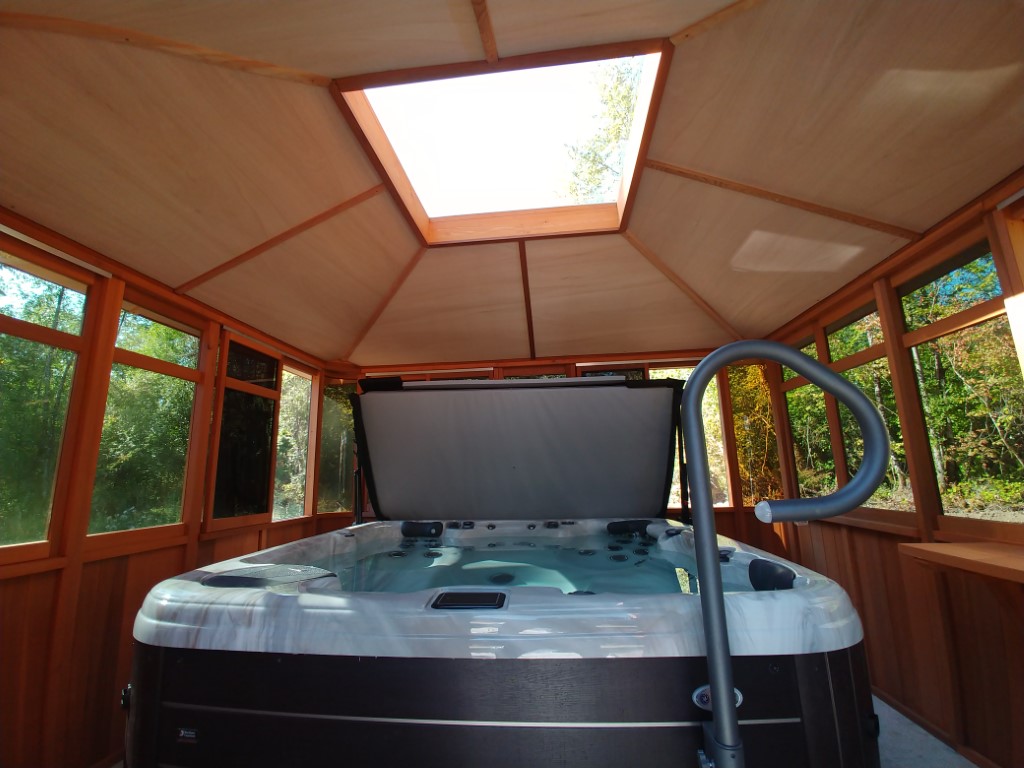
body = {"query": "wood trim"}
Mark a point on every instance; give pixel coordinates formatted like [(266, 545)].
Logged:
[(888, 521), (356, 109), (200, 440), (660, 359), (506, 64), (78, 461), (857, 359), (136, 39), (996, 560), (629, 186), (382, 305), (252, 389), (487, 38), (791, 202), (141, 282), (147, 363), (104, 546), (599, 218), (709, 22), (979, 313), (835, 427), (43, 564), (923, 483), (13, 326), (783, 431), (46, 261), (525, 270), (316, 423), (1006, 237), (953, 528), (24, 552), (681, 284), (282, 237)]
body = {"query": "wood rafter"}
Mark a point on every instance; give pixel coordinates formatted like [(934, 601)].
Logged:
[(776, 197), (487, 38), (276, 240), (526, 297), (384, 302), (681, 284), (716, 18), (138, 39)]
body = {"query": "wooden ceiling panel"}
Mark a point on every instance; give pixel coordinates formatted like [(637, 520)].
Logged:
[(459, 303), (317, 290), (530, 26), (168, 165), (898, 111), (327, 37), (598, 295), (755, 261)]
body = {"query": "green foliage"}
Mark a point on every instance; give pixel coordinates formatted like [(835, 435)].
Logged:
[(597, 162), (141, 469), (337, 451), (756, 448), (35, 385), (292, 447)]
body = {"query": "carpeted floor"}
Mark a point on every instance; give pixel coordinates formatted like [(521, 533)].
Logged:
[(903, 744)]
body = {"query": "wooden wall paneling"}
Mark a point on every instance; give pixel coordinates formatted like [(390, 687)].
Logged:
[(912, 424), (88, 693), (229, 545), (990, 693), (332, 522), (881, 596), (934, 696), (279, 533), (26, 634)]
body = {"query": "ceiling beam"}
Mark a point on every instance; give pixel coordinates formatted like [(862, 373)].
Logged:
[(276, 240), (483, 22), (138, 39), (716, 18), (526, 297), (681, 284), (792, 202), (384, 302)]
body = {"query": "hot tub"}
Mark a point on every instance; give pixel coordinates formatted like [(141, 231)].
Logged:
[(512, 640)]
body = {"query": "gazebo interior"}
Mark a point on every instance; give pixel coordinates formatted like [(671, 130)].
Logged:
[(206, 234)]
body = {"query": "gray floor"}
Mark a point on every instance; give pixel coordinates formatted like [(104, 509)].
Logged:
[(904, 745)]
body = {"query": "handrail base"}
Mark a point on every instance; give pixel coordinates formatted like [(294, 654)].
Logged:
[(721, 756)]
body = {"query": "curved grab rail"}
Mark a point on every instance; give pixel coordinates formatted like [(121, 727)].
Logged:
[(723, 738)]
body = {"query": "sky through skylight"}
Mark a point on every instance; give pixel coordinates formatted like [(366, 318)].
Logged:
[(495, 142)]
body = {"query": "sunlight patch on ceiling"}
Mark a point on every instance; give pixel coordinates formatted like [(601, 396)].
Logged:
[(511, 141), (775, 252)]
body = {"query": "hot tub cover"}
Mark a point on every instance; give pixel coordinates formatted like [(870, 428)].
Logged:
[(542, 448)]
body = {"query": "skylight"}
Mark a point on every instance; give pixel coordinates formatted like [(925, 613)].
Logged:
[(547, 138)]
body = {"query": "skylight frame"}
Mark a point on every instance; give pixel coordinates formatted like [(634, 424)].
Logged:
[(594, 218)]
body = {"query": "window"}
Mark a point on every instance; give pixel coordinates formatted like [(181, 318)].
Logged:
[(35, 386), (711, 410), (874, 381), (140, 474), (246, 444), (292, 446), (337, 451), (855, 336), (971, 388), (756, 449), (812, 449)]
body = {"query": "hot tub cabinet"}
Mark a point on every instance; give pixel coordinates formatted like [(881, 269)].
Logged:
[(567, 639)]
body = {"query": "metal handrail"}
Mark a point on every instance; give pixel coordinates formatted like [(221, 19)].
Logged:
[(723, 746)]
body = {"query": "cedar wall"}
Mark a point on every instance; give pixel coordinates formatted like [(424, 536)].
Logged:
[(944, 646)]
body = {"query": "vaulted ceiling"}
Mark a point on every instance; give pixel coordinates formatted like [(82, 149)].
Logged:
[(796, 144)]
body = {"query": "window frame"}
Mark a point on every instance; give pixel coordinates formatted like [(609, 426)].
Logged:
[(46, 266)]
